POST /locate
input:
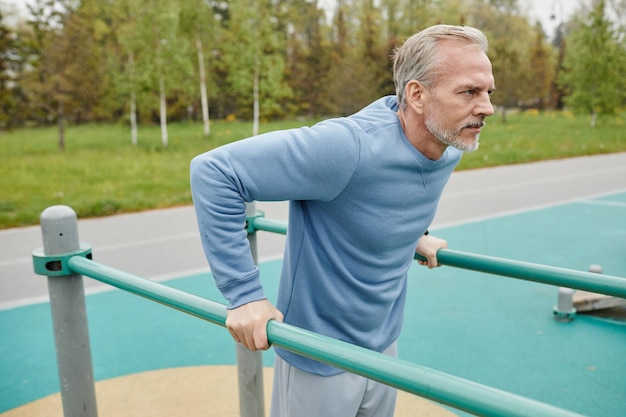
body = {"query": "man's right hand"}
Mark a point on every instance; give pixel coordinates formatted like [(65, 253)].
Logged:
[(247, 324)]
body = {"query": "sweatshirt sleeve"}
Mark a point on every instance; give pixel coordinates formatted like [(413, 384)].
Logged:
[(299, 164)]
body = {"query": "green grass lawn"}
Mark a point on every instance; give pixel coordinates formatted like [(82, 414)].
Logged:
[(534, 136), (101, 173)]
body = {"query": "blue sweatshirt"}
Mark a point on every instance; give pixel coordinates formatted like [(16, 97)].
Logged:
[(360, 197)]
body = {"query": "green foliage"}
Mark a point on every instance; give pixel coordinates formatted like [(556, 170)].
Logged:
[(595, 66), (532, 136), (308, 62), (540, 86), (7, 49), (89, 60), (101, 173), (255, 45)]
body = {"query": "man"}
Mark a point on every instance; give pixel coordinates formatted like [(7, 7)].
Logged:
[(362, 191)]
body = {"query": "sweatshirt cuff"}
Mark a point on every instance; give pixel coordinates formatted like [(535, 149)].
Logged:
[(243, 292)]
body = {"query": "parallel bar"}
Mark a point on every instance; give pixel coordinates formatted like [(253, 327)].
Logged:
[(587, 281), (459, 393), (562, 277), (268, 225), (437, 386), (179, 300)]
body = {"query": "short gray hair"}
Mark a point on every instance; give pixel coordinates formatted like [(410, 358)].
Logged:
[(417, 59)]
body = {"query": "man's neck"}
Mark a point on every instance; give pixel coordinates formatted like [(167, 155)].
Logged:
[(417, 134)]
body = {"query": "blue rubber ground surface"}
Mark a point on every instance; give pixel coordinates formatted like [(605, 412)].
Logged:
[(497, 331)]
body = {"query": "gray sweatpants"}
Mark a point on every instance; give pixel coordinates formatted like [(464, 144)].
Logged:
[(301, 394)]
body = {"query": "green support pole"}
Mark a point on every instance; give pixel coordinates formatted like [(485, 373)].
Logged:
[(59, 228), (249, 363)]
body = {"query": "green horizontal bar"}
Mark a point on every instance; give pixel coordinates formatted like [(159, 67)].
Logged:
[(459, 393), (562, 277), (268, 225), (580, 280), (446, 389), (179, 300)]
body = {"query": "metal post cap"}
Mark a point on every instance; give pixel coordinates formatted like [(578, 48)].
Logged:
[(59, 229)]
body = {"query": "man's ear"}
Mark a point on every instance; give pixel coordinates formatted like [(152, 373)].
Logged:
[(415, 95)]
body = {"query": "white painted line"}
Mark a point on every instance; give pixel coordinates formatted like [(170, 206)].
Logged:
[(116, 246), (603, 203), (525, 210), (533, 183), (144, 242)]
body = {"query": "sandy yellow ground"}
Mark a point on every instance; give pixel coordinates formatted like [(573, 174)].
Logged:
[(190, 391)]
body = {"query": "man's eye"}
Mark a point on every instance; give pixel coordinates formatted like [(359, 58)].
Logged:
[(469, 92)]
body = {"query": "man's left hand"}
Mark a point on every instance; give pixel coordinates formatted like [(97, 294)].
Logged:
[(427, 246)]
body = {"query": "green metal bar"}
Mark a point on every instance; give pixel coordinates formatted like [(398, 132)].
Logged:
[(587, 281), (459, 393), (268, 225), (562, 277), (437, 386), (188, 303)]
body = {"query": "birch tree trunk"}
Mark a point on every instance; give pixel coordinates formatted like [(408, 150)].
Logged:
[(163, 107), (203, 90), (255, 89), (61, 124), (133, 117), (133, 99)]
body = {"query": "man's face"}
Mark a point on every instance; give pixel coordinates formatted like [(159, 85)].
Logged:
[(459, 102)]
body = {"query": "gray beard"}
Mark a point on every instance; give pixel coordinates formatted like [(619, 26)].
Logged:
[(451, 137)]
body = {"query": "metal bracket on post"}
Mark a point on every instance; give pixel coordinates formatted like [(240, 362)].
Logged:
[(56, 265), (59, 228)]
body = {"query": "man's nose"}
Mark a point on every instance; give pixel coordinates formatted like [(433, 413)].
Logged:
[(485, 107)]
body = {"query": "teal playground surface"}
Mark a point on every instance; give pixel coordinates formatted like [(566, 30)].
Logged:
[(493, 330)]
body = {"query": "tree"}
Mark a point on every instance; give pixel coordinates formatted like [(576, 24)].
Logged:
[(254, 48), (66, 78), (158, 60), (372, 54), (200, 27), (542, 68), (340, 79), (307, 59), (82, 46), (163, 63), (7, 56), (162, 26), (123, 50), (595, 66), (509, 33)]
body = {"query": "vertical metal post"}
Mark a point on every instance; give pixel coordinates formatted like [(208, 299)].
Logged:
[(250, 364), (59, 229)]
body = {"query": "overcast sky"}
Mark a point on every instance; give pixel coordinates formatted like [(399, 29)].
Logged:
[(542, 10)]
